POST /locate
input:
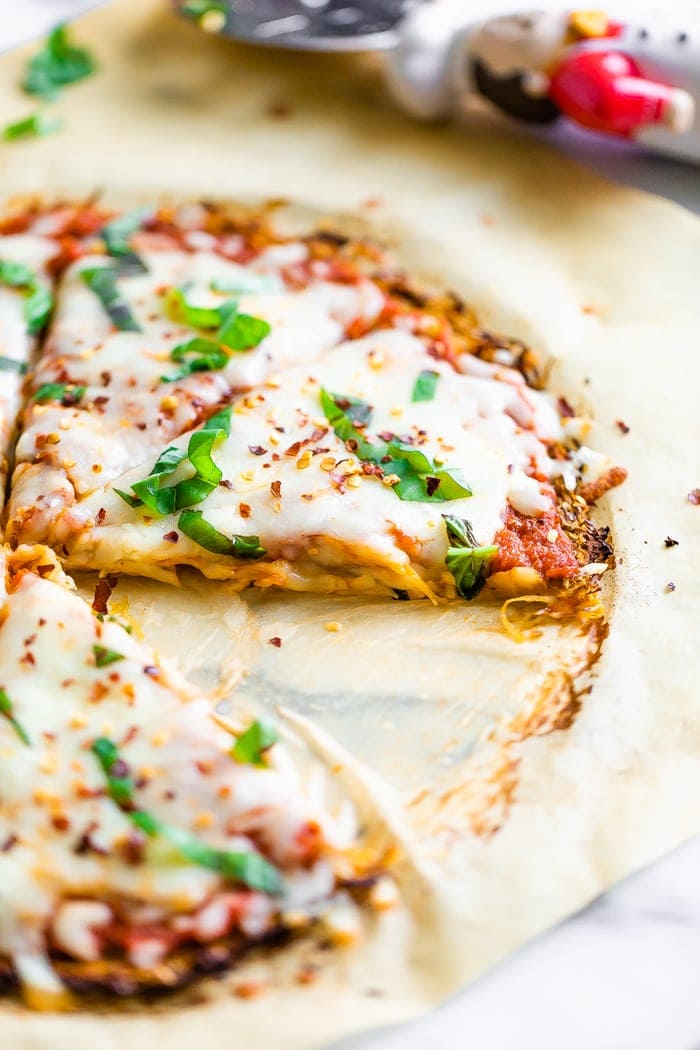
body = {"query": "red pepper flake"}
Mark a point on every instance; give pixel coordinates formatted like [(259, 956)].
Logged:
[(293, 450), (85, 843), (100, 516), (593, 490), (257, 450), (152, 671), (622, 427), (171, 537), (307, 496), (244, 510), (226, 484), (106, 378), (60, 822), (565, 409), (694, 497), (42, 621), (319, 432), (670, 587), (670, 542), (141, 426), (276, 489), (9, 842), (276, 641), (103, 592)]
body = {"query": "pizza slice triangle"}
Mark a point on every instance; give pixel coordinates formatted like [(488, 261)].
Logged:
[(143, 839)]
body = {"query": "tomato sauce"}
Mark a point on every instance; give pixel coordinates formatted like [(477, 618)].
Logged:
[(524, 541)]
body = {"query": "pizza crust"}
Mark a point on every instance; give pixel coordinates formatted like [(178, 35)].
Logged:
[(604, 280)]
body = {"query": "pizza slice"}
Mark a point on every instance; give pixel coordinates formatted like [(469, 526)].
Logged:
[(158, 321), (376, 469), (143, 839)]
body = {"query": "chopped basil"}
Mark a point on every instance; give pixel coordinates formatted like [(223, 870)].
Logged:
[(38, 299), (102, 280), (466, 560), (116, 235), (120, 784), (234, 330), (165, 499), (251, 745), (66, 393), (194, 525), (57, 64), (8, 711), (243, 331), (38, 124), (420, 480), (104, 657), (204, 356), (9, 364), (425, 386), (251, 869)]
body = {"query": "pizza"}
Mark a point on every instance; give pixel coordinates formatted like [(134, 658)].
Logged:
[(286, 412), (293, 413), (145, 840)]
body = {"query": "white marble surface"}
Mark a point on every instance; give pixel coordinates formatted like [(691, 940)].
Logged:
[(624, 974)]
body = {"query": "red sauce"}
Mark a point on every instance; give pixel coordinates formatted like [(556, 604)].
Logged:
[(523, 542)]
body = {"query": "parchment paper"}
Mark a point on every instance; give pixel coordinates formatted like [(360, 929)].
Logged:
[(605, 280)]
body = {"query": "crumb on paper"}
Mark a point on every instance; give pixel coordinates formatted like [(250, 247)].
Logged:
[(622, 426), (670, 542), (670, 587), (694, 497), (276, 641)]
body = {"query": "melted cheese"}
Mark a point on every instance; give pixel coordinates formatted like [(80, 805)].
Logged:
[(127, 410), (52, 792), (483, 425)]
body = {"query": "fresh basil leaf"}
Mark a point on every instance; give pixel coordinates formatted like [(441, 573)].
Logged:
[(250, 747), (165, 499), (8, 364), (243, 331), (38, 124), (205, 356), (8, 711), (120, 784), (235, 331), (466, 560), (151, 491), (102, 280), (131, 500), (194, 525), (57, 64), (116, 235), (420, 480), (251, 869), (198, 316), (425, 386), (247, 282), (37, 307), (104, 657), (38, 301), (66, 393)]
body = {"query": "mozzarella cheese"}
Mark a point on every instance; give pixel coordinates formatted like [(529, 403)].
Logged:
[(65, 867), (127, 411), (288, 479)]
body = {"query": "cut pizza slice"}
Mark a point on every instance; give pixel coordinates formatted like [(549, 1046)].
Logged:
[(158, 321), (143, 839), (375, 469)]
